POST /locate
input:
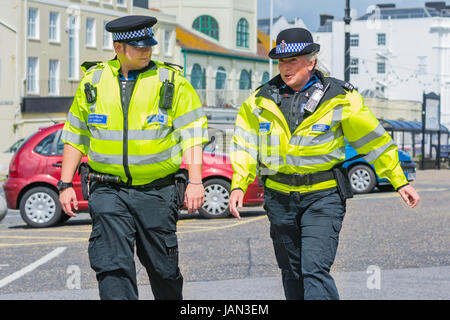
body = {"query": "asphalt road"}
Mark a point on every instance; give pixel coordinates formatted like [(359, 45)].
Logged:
[(386, 251)]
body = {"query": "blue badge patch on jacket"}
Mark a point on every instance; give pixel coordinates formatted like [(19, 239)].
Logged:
[(157, 118), (264, 127), (95, 118), (320, 127)]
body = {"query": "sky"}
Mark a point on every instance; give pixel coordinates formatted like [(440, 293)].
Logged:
[(309, 10)]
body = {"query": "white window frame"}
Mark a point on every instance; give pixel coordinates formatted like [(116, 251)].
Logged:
[(379, 35), (156, 36), (107, 36), (35, 80), (354, 40), (354, 66), (167, 43), (107, 2), (36, 23), (57, 38), (122, 5), (55, 77), (76, 53), (379, 64), (93, 43)]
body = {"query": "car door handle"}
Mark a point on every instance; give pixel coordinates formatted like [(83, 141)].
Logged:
[(58, 164)]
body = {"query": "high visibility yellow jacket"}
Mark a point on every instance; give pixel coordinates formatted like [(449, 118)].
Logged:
[(262, 139), (147, 142)]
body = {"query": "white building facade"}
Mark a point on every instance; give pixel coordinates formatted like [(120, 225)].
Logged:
[(396, 53)]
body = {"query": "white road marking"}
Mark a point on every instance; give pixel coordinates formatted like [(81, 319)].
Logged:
[(31, 267)]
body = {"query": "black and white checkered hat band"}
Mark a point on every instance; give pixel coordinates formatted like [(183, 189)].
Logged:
[(291, 47), (129, 35)]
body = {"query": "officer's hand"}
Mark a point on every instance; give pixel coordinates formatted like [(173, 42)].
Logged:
[(194, 197), (409, 195), (67, 197), (237, 196)]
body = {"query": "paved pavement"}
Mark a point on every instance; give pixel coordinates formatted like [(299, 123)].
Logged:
[(424, 281), (399, 284)]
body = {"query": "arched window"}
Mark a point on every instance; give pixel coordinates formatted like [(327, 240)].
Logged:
[(244, 80), (207, 25), (197, 79), (265, 77), (221, 77), (242, 33)]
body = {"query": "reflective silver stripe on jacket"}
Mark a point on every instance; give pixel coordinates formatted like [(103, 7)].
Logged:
[(376, 133), (117, 135), (75, 138), (248, 137), (114, 159), (76, 122), (188, 118), (304, 141), (314, 160), (195, 132), (374, 154), (234, 147)]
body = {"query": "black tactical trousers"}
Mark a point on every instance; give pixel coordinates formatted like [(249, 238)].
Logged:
[(123, 218), (305, 230)]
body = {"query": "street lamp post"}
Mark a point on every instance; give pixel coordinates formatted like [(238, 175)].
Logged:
[(347, 19)]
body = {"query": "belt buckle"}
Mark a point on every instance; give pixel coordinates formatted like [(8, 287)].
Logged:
[(298, 179)]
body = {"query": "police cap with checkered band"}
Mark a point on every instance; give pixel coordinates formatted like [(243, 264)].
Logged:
[(135, 30), (293, 42)]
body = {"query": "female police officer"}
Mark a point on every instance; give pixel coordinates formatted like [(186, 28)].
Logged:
[(292, 131), (135, 118)]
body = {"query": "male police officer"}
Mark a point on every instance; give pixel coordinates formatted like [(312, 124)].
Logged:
[(292, 130), (135, 118)]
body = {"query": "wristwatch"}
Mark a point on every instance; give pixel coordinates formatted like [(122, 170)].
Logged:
[(63, 185)]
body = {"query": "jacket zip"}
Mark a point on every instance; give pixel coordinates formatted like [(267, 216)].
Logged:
[(125, 109)]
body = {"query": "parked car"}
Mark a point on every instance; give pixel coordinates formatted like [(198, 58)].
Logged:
[(36, 168), (362, 174)]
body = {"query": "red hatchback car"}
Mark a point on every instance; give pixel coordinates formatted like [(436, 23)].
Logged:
[(36, 168)]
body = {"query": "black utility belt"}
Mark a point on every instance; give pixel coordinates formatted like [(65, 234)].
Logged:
[(161, 182), (297, 179)]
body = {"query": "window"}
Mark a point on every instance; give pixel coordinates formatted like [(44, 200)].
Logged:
[(107, 37), (45, 146), (221, 77), (121, 3), (33, 75), (53, 27), (242, 33), (207, 25), (354, 64), (381, 39), (265, 77), (245, 80), (197, 77), (73, 47), (90, 32), (381, 67), (53, 77), (33, 23), (354, 40), (168, 42)]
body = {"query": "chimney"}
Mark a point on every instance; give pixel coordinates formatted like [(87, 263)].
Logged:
[(324, 18)]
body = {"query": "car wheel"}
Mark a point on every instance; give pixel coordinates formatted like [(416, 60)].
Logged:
[(40, 207), (217, 194), (362, 179)]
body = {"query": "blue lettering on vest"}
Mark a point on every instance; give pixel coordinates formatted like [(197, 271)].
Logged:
[(94, 118), (157, 118), (264, 127), (320, 127)]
